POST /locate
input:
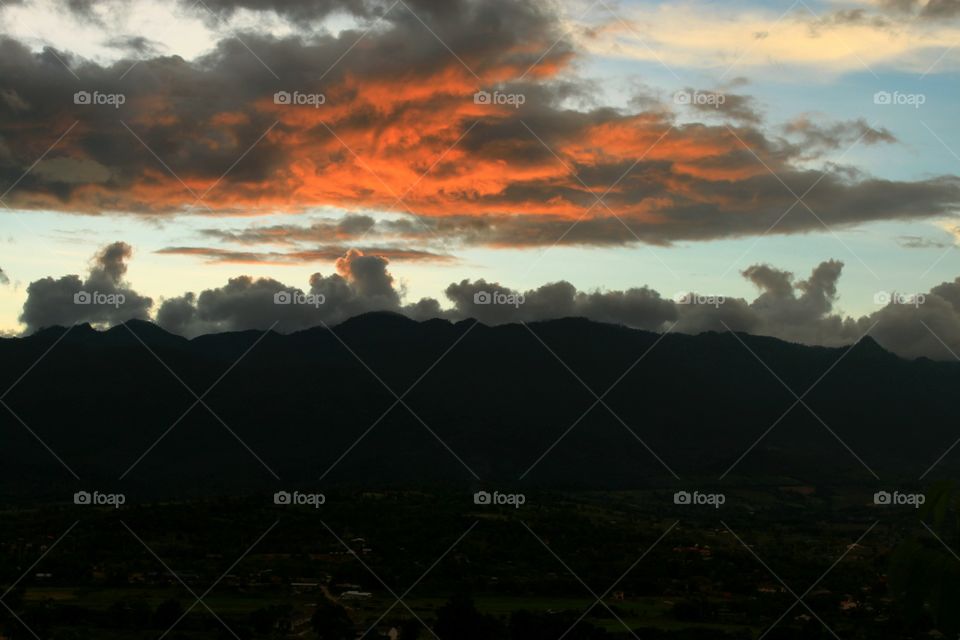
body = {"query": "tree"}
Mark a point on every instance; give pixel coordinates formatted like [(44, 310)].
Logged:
[(924, 575), (459, 618), (266, 619), (410, 629), (331, 622), (167, 614)]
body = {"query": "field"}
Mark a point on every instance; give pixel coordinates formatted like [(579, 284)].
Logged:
[(776, 560)]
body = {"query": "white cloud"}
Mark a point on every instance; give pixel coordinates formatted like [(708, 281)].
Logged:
[(751, 40), (170, 27)]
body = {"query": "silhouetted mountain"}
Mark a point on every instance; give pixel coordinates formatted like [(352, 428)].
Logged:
[(507, 404)]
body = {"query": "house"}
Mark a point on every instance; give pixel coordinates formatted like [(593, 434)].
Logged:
[(304, 587), (849, 603)]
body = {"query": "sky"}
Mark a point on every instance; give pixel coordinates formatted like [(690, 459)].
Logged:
[(793, 164)]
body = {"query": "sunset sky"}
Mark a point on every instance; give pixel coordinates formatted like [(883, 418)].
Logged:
[(713, 147)]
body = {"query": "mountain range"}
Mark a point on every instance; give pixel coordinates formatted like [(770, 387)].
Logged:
[(381, 401)]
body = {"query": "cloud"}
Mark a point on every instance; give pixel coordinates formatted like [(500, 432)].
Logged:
[(797, 311), (739, 107), (13, 101), (951, 227), (927, 325), (928, 9), (322, 254), (461, 230), (818, 138), (362, 283), (918, 242), (492, 303), (102, 298), (399, 132), (349, 227), (911, 324), (940, 9), (800, 311), (201, 116), (800, 45), (294, 9), (134, 45), (4, 279), (760, 201), (85, 9)]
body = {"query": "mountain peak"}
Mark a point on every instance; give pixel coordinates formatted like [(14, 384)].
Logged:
[(137, 324), (867, 345), (56, 331), (135, 330), (377, 319)]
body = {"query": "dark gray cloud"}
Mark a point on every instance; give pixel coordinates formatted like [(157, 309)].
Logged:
[(400, 102), (201, 115), (83, 9), (492, 303), (319, 254), (132, 44), (929, 9), (925, 325), (348, 227), (4, 279), (103, 297), (295, 9), (219, 9), (362, 283), (722, 103), (798, 311), (817, 137), (919, 242), (911, 324), (493, 231), (859, 17), (834, 199), (890, 14), (939, 9)]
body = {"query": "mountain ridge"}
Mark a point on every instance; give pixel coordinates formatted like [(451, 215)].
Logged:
[(377, 317), (385, 400)]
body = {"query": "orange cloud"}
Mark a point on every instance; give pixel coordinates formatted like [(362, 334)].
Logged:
[(393, 126)]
